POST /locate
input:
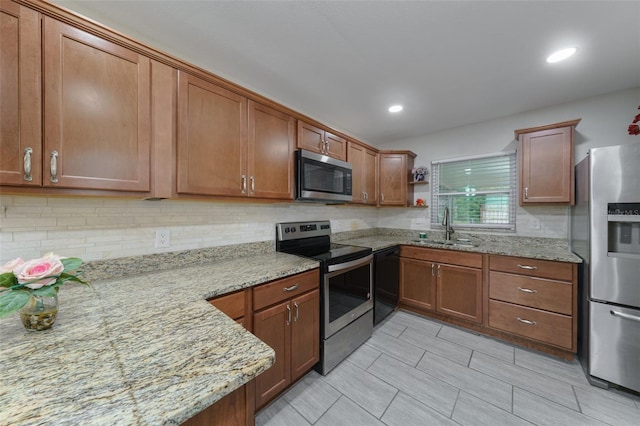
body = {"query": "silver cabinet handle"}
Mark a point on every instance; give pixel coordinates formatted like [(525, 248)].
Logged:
[(244, 184), (438, 271), (381, 197), (253, 184), (625, 316), (528, 322), (327, 146), (322, 146), (288, 314), (54, 166), (27, 164), (295, 305), (527, 267), (293, 287), (526, 193), (432, 267), (366, 195), (527, 290)]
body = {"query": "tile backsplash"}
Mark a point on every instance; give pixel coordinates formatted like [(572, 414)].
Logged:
[(106, 228)]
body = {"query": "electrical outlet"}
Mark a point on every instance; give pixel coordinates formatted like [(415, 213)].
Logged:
[(162, 238), (535, 223)]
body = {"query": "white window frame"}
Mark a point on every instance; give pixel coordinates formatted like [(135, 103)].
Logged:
[(438, 203)]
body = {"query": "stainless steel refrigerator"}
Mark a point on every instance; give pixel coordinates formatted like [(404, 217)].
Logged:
[(605, 233)]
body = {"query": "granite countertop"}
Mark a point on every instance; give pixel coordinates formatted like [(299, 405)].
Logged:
[(533, 248), (145, 349)]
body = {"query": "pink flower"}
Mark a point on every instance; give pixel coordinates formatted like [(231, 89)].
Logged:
[(40, 272), (11, 265)]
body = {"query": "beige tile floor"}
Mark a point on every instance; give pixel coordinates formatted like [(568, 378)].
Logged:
[(417, 371)]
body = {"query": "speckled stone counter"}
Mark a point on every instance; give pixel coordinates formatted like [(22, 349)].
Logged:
[(533, 248), (145, 349)]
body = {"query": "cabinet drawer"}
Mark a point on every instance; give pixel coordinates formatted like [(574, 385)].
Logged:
[(548, 327), (452, 257), (276, 291), (231, 304), (533, 267), (534, 292)]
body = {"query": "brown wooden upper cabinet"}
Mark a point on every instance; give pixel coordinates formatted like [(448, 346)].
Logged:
[(546, 164), (231, 146), (97, 123), (319, 140), (365, 173), (395, 170), (20, 96)]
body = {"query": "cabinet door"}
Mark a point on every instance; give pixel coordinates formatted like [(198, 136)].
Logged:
[(336, 146), (310, 137), (305, 333), (459, 292), (270, 153), (370, 178), (272, 326), (229, 411), (417, 283), (547, 166), (356, 156), (212, 139), (20, 96), (393, 180), (97, 125)]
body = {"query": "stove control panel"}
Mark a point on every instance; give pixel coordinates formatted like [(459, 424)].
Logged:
[(298, 230)]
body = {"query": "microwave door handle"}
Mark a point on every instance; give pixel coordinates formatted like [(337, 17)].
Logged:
[(347, 265)]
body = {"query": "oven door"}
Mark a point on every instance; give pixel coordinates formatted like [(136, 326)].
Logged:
[(347, 293), (322, 178)]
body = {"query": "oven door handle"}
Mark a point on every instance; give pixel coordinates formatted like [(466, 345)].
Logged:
[(353, 263)]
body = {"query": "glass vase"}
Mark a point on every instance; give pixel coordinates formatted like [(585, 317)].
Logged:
[(39, 313)]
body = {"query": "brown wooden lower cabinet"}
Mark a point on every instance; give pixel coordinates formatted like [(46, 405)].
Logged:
[(459, 292), (229, 411)]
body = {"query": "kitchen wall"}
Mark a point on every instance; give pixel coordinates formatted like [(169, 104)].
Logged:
[(106, 228), (605, 120)]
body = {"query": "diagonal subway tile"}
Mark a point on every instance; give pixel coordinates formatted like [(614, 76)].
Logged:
[(280, 413), (568, 371), (364, 356), (414, 321), (427, 389), (473, 411), (396, 348), (547, 387), (478, 343), (607, 407), (406, 411), (312, 396), (542, 412), (363, 388), (451, 351), (471, 381), (347, 413)]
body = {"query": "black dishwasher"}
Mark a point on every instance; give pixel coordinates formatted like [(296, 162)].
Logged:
[(386, 279)]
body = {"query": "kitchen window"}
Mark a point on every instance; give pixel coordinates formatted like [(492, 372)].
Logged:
[(480, 191)]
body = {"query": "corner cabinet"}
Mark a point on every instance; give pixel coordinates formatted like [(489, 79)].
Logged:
[(395, 172), (546, 164), (365, 173), (316, 139), (231, 146), (286, 316)]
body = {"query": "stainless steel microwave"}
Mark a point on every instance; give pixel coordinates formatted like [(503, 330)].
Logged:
[(322, 178)]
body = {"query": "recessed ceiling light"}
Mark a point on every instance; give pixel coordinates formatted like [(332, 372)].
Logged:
[(395, 108), (561, 55)]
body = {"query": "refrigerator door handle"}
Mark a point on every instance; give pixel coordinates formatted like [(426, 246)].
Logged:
[(625, 316)]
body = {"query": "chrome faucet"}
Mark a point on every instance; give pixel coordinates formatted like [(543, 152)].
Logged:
[(446, 222)]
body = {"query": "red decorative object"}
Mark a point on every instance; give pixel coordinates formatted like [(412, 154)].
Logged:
[(419, 202), (634, 127)]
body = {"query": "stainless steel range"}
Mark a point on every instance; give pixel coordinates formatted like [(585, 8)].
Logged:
[(346, 287)]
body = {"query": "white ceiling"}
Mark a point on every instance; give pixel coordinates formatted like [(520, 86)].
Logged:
[(343, 63)]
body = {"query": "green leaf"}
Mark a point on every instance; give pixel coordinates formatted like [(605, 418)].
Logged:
[(64, 277), (71, 263), (8, 280), (46, 291), (11, 301)]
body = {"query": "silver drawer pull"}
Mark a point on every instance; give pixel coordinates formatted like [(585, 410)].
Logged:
[(54, 167), (253, 184), (527, 267), (293, 287), (27, 164), (244, 184), (295, 305), (625, 316), (288, 314), (527, 290), (526, 321)]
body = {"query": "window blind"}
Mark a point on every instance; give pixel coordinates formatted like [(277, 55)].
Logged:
[(480, 191)]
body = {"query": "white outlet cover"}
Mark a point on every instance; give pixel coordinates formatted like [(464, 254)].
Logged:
[(162, 238)]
